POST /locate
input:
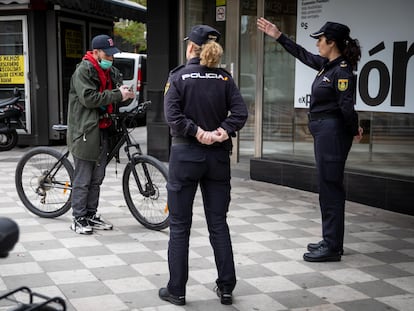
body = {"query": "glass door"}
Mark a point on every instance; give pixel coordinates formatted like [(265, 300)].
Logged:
[(248, 69)]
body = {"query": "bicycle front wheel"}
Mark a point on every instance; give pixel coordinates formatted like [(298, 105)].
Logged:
[(44, 182), (145, 191)]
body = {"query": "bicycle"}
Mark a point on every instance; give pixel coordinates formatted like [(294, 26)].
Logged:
[(43, 176)]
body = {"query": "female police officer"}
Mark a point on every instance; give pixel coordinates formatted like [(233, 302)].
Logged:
[(203, 108), (332, 121)]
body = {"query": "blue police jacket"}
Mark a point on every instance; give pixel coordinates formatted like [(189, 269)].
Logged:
[(196, 95), (333, 90)]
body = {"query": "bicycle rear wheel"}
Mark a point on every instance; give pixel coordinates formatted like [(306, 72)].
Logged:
[(148, 206), (44, 182)]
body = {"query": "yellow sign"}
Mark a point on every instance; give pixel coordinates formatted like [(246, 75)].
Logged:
[(73, 43), (220, 2), (11, 69)]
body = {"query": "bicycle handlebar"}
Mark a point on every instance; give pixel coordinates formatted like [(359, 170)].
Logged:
[(135, 108)]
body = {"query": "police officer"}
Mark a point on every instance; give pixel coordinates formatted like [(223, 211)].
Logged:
[(332, 122), (203, 108)]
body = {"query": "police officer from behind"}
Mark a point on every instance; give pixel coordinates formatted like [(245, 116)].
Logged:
[(332, 122), (203, 108)]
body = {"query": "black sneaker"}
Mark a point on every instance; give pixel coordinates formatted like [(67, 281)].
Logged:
[(96, 222), (225, 298), (164, 294), (80, 225)]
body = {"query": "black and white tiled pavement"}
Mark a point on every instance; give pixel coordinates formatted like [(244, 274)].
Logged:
[(270, 225)]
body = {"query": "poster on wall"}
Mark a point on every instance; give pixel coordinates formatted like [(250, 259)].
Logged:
[(385, 74), (12, 69)]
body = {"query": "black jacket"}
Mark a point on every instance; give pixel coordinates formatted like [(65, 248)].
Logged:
[(334, 87), (196, 95)]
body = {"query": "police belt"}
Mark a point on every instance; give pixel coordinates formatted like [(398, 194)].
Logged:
[(314, 116), (177, 140)]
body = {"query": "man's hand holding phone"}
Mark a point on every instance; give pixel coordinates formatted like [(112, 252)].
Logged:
[(127, 92)]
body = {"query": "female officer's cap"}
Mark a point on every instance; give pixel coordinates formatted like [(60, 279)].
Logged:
[(333, 31), (201, 34)]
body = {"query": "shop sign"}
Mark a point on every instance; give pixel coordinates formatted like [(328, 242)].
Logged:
[(11, 69), (73, 43)]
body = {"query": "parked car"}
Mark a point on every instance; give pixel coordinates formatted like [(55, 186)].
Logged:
[(133, 67)]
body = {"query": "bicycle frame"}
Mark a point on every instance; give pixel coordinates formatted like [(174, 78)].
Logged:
[(125, 138)]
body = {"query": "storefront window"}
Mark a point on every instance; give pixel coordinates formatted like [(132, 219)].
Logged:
[(278, 83), (13, 60), (388, 143)]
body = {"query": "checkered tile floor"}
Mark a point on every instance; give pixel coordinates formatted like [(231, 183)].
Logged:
[(270, 225)]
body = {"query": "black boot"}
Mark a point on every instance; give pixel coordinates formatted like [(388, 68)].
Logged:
[(164, 294), (314, 246), (322, 254)]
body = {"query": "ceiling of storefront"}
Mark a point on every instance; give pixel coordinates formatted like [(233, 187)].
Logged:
[(107, 8)]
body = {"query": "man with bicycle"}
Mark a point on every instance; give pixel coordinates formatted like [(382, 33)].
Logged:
[(94, 88)]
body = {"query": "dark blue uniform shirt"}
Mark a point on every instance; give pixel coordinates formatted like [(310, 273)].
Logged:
[(196, 95), (333, 90)]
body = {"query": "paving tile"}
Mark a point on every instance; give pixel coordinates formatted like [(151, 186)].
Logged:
[(111, 302), (288, 267), (260, 302), (349, 276), (297, 299), (399, 302), (365, 304), (129, 285), (72, 276), (405, 283), (272, 284), (311, 280), (338, 293), (378, 288)]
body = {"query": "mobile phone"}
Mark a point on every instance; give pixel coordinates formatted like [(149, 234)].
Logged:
[(131, 88)]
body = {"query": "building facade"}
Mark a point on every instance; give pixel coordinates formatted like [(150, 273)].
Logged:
[(276, 140), (41, 41)]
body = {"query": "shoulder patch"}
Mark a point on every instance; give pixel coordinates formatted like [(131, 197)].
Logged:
[(342, 84), (167, 86), (343, 64)]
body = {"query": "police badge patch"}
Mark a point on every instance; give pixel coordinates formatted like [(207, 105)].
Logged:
[(342, 84)]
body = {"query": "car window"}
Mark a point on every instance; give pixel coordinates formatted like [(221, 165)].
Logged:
[(126, 66)]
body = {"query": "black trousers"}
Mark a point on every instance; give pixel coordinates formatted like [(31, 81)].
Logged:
[(332, 144), (191, 165)]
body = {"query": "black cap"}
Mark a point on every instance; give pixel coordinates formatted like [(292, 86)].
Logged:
[(200, 34), (104, 43), (333, 31)]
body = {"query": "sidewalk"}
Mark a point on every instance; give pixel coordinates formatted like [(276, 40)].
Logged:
[(270, 225)]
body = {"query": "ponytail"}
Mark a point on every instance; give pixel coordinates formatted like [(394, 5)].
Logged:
[(351, 50), (211, 53)]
